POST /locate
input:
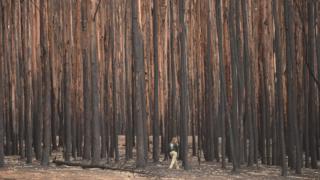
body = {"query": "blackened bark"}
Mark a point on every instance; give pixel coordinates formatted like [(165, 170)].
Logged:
[(234, 113), (184, 104), (223, 109), (67, 82), (87, 101), (114, 90), (173, 72), (155, 129), (96, 144), (291, 83), (209, 148), (137, 45), (28, 90), (240, 81), (312, 90), (248, 80), (279, 83), (128, 73), (20, 80), (47, 93), (1, 86)]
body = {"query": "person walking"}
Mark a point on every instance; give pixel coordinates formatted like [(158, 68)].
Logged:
[(174, 149)]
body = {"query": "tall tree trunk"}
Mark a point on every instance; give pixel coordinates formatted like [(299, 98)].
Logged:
[(47, 96), (279, 83), (87, 101), (155, 154), (184, 104), (208, 149), (2, 85), (248, 80), (234, 114), (96, 144), (312, 93), (114, 87), (28, 87), (223, 107), (292, 92), (139, 111), (128, 86), (67, 81)]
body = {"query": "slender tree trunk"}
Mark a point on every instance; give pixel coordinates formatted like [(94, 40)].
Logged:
[(279, 88), (155, 154), (234, 113), (87, 101), (20, 81), (223, 109), (96, 144), (2, 85), (137, 44), (47, 96), (114, 88), (184, 104), (28, 88), (241, 84), (292, 93), (312, 93), (67, 81), (129, 136), (248, 80)]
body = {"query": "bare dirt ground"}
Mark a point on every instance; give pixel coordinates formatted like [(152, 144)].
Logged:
[(17, 169)]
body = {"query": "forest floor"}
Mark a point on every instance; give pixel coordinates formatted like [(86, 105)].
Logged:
[(17, 169)]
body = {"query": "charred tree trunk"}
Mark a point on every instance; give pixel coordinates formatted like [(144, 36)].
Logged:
[(114, 91), (67, 82), (279, 88), (234, 114), (209, 146), (184, 104), (155, 151), (139, 111), (129, 124), (291, 83), (2, 86), (248, 80), (47, 93), (223, 107), (96, 144), (87, 101), (312, 93), (28, 89)]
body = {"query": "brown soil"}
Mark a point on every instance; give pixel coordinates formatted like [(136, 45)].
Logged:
[(17, 169)]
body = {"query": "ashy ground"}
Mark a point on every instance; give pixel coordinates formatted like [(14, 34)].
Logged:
[(16, 168)]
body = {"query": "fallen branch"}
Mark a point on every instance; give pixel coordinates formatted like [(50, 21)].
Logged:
[(89, 166)]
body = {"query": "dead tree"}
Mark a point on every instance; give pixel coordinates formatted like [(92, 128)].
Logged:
[(291, 88), (67, 81), (87, 98), (96, 144), (209, 148), (279, 86), (156, 84), (47, 93), (139, 111), (184, 104), (223, 107), (1, 86), (28, 87), (234, 108), (312, 88)]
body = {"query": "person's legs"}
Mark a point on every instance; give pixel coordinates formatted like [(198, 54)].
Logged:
[(173, 154), (177, 164)]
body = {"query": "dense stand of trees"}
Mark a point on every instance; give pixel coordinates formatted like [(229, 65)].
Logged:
[(240, 77)]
